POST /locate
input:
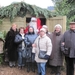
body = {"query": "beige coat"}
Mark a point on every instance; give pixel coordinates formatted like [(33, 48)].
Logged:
[(45, 45)]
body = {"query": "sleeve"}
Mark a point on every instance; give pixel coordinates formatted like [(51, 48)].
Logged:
[(39, 26), (6, 41), (49, 47), (27, 42), (26, 29), (63, 43), (34, 48), (17, 39)]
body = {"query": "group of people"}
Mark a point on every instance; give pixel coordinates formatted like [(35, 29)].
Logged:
[(55, 44)]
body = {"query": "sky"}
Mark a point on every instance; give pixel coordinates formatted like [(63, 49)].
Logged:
[(40, 3)]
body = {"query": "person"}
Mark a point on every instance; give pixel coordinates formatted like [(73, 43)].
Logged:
[(11, 46), (44, 43), (68, 48), (35, 23), (47, 32), (29, 40), (56, 59), (19, 40)]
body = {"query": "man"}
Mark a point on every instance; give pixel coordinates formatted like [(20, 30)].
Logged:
[(42, 43), (35, 23), (68, 48)]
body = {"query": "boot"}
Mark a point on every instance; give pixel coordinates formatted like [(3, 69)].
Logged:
[(33, 67), (57, 74), (33, 70), (28, 68)]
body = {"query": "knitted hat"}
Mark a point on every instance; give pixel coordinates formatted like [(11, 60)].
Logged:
[(43, 29)]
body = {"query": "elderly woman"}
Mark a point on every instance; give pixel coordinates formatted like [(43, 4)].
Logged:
[(42, 43), (56, 59)]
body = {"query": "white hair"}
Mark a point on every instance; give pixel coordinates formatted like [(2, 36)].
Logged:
[(58, 25)]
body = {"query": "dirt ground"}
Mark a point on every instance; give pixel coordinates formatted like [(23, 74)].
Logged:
[(6, 70)]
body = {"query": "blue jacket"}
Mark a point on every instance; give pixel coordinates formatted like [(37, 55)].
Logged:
[(29, 39)]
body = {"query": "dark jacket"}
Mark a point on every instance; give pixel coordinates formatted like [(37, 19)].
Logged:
[(69, 43), (18, 41), (10, 45)]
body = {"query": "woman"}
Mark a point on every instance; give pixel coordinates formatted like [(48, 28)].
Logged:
[(11, 46), (19, 40), (43, 43), (29, 40), (56, 59)]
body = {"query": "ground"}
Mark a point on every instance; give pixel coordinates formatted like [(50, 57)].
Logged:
[(6, 70)]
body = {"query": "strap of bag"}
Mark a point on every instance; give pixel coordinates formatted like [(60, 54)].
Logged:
[(38, 43)]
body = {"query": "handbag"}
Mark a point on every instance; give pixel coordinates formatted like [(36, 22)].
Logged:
[(42, 53), (24, 53), (28, 53)]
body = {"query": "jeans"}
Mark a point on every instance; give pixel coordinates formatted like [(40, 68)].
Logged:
[(41, 68), (20, 59)]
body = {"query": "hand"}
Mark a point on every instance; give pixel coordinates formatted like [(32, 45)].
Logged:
[(63, 43), (22, 39), (46, 57), (33, 45)]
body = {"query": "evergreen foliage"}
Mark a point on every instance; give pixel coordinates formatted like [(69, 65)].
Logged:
[(21, 9), (67, 8)]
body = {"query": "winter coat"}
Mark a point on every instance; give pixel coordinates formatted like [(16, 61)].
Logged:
[(10, 45), (56, 58), (18, 41), (45, 45), (29, 40), (69, 40)]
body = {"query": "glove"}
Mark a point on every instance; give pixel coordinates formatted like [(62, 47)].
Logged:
[(33, 54), (46, 57)]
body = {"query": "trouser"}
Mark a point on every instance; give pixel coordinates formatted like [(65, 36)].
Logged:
[(41, 68), (69, 66), (31, 65), (21, 61)]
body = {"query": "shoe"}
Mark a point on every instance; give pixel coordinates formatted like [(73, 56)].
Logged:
[(19, 67), (33, 70), (14, 64), (10, 64), (39, 74), (52, 72), (28, 69), (58, 74)]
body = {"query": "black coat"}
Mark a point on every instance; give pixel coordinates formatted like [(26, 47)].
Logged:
[(10, 45)]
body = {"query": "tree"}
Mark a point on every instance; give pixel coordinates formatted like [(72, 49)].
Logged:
[(65, 7)]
